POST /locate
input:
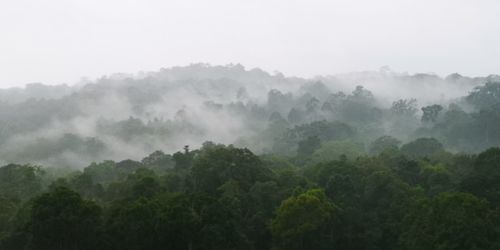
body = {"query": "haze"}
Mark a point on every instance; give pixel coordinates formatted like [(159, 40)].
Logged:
[(249, 125), (61, 41)]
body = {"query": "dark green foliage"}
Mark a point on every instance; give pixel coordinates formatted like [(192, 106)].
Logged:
[(159, 161), (8, 210), (174, 221), (422, 147), (20, 181), (215, 166), (104, 172), (384, 144), (183, 160), (408, 170), (341, 181), (305, 221), (484, 180), (436, 179), (385, 202), (61, 220), (224, 197), (452, 221)]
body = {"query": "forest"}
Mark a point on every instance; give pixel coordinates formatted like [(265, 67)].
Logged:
[(221, 157)]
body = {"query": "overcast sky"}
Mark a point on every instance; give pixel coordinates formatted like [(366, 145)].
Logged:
[(60, 41)]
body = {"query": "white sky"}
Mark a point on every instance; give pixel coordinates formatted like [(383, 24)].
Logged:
[(60, 41)]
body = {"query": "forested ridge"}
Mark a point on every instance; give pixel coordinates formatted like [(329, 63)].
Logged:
[(128, 116), (220, 157)]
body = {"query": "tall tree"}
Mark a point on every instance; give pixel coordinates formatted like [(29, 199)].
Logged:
[(61, 219), (431, 113), (305, 221)]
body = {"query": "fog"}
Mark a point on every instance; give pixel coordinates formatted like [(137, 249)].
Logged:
[(257, 124), (84, 81), (123, 116)]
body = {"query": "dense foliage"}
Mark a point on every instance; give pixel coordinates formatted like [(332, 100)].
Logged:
[(414, 196), (320, 163), (128, 116)]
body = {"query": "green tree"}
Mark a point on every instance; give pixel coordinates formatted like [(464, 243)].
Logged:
[(384, 144), (343, 184), (8, 209), (102, 173), (20, 181), (452, 221), (61, 219), (183, 160), (159, 161), (215, 166), (133, 225), (305, 221), (484, 180), (436, 179), (422, 147), (431, 113), (385, 202)]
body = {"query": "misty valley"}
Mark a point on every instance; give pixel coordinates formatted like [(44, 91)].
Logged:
[(224, 157)]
